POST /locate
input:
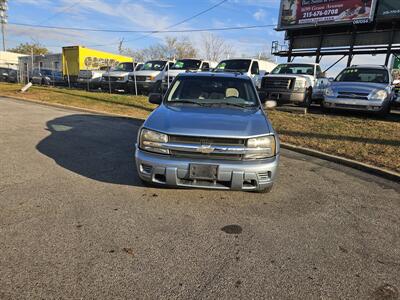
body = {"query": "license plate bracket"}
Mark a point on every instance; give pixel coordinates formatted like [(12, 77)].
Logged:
[(203, 171)]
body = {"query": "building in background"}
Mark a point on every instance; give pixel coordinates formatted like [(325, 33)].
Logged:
[(9, 60), (27, 64), (9, 66)]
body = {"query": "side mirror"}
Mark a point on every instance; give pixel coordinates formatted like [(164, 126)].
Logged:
[(331, 79), (155, 98)]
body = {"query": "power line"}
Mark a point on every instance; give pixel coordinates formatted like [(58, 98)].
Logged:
[(142, 31), (147, 32), (59, 12), (183, 21)]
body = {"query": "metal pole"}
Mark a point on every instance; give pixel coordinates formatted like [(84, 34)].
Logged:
[(4, 35), (66, 69), (88, 79), (3, 20), (134, 78), (109, 79)]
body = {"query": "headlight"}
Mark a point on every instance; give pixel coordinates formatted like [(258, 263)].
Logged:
[(329, 92), (151, 78), (121, 78), (261, 147), (152, 141), (378, 95), (300, 84)]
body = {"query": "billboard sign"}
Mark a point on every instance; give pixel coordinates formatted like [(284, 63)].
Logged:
[(388, 9), (306, 13)]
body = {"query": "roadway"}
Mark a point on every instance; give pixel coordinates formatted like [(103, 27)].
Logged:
[(76, 223)]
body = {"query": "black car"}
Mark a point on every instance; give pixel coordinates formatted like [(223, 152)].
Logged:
[(4, 74)]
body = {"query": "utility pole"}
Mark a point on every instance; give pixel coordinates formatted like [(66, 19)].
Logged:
[(3, 20)]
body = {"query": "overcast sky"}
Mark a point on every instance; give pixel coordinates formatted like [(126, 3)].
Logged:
[(147, 15)]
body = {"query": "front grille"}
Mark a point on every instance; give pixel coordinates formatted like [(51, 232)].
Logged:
[(277, 83), (139, 78), (111, 79), (206, 141), (352, 95)]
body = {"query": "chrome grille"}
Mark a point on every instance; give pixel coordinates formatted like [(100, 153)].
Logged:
[(111, 79), (139, 78), (190, 140), (277, 83), (353, 95)]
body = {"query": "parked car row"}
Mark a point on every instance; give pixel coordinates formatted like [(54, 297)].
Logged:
[(157, 75), (360, 87)]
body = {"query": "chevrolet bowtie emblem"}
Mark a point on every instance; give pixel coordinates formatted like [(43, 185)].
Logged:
[(205, 149)]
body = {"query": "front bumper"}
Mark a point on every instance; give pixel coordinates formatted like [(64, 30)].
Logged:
[(142, 85), (285, 96), (114, 85), (355, 104), (235, 175)]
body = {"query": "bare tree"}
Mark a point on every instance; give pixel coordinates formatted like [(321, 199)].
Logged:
[(170, 49), (215, 48)]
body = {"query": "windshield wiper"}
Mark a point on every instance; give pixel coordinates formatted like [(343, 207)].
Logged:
[(185, 101), (233, 104)]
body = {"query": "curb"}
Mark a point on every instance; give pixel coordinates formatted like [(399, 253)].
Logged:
[(390, 175), (387, 174)]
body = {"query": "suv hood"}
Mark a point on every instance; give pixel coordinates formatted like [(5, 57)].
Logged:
[(308, 77), (116, 74), (147, 73), (359, 87), (209, 122)]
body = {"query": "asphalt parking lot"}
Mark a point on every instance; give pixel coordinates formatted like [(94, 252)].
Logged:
[(76, 223)]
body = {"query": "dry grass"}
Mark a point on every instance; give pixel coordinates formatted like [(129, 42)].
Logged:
[(362, 138), (133, 106)]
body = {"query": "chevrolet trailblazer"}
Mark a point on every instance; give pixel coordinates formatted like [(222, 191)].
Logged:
[(209, 131)]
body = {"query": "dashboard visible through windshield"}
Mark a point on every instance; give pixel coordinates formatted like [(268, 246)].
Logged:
[(294, 69), (125, 67), (186, 64), (213, 90)]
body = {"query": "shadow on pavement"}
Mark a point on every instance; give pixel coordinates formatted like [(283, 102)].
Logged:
[(94, 146)]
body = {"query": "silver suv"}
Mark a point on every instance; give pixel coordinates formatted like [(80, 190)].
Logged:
[(209, 131), (363, 87)]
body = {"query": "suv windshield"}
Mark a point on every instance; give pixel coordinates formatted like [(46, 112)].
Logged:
[(153, 65), (212, 90), (364, 75), (187, 64), (126, 67), (238, 65), (294, 69)]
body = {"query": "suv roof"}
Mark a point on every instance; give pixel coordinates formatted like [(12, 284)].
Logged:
[(214, 74), (299, 63), (369, 66)]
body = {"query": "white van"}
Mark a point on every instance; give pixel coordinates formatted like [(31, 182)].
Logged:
[(254, 68), (149, 77)]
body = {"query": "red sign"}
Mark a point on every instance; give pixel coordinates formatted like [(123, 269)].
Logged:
[(301, 13)]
